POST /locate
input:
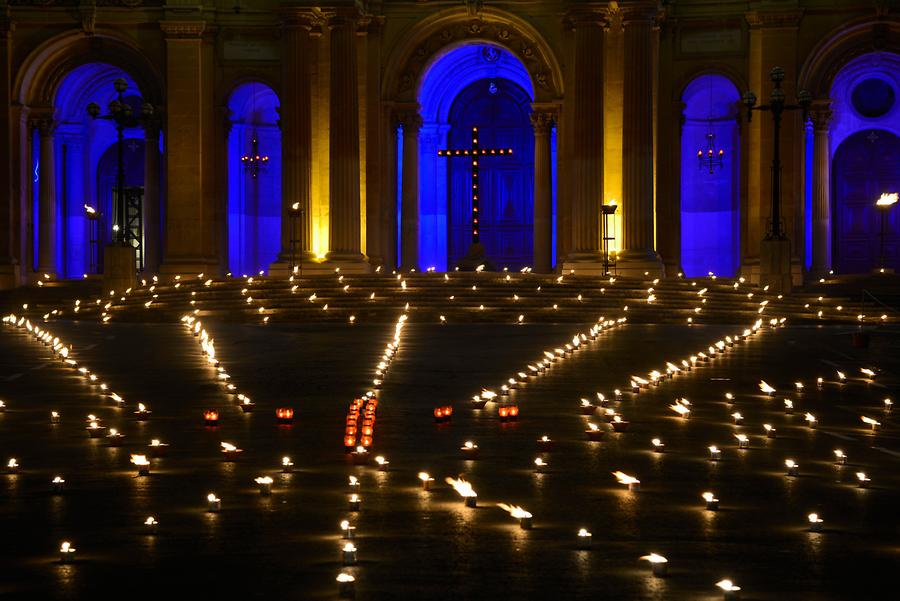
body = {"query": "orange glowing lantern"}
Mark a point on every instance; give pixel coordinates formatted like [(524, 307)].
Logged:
[(503, 412), (439, 415), (349, 443), (211, 417), (513, 413), (366, 441), (350, 431), (367, 430), (284, 415)]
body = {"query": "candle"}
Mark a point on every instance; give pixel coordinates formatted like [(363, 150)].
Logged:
[(213, 503), (114, 438), (815, 522), (766, 388), (618, 424), (737, 417), (819, 382), (714, 453), (158, 448), (12, 466), (2, 407), (587, 408), (729, 398), (658, 563), (230, 451), (658, 445), (631, 482), (788, 407), (211, 417), (58, 484), (360, 455), (464, 489), (841, 376), (142, 414), (287, 466), (347, 531), (151, 525), (519, 513), (862, 479), (66, 552), (540, 465), (54, 417), (743, 441), (246, 404), (770, 430), (792, 467), (594, 433), (142, 464), (348, 554), (264, 483), (585, 539), (346, 586), (470, 450), (870, 422), (712, 503), (95, 430), (839, 457), (732, 592), (382, 463), (426, 480), (811, 421), (354, 502), (545, 444), (681, 408)]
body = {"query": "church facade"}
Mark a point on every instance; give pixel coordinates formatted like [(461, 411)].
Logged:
[(265, 134)]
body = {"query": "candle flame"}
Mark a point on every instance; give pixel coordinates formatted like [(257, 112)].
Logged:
[(514, 510), (765, 387), (139, 460), (461, 486), (624, 478), (654, 558)]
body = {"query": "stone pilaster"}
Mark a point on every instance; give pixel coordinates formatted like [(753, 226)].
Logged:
[(8, 264), (190, 207), (409, 197), (296, 138), (151, 205), (344, 181), (47, 202), (638, 254), (821, 189), (542, 120), (587, 143)]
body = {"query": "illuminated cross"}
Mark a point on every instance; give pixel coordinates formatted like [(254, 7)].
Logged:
[(474, 151)]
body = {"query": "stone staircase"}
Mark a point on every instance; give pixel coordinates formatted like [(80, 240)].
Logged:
[(458, 297)]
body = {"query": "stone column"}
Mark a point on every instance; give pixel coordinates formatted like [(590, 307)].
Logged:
[(151, 208), (296, 140), (638, 254), (821, 190), (47, 204), (8, 263), (190, 206), (587, 143), (409, 197), (344, 182), (542, 120)]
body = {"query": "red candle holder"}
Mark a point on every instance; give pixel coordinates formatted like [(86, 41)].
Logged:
[(513, 413), (349, 443), (211, 418), (284, 415), (503, 413)]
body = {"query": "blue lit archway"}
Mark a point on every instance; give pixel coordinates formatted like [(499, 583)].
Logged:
[(254, 198), (451, 72), (82, 174), (710, 202)]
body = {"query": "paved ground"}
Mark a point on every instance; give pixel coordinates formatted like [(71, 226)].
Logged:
[(427, 545)]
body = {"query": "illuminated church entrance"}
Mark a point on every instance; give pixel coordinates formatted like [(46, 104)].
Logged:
[(483, 86), (865, 165)]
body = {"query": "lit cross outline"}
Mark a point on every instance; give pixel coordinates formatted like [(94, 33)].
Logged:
[(474, 151)]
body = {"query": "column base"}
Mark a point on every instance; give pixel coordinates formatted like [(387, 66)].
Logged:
[(119, 271), (9, 276), (588, 263), (639, 264), (775, 265), (347, 262)]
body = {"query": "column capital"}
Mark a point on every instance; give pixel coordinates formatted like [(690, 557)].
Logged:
[(588, 16), (408, 117), (639, 13), (43, 122), (310, 19), (343, 16), (542, 118), (820, 114)]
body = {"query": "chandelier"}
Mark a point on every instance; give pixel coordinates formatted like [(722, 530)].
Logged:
[(710, 157), (253, 161)]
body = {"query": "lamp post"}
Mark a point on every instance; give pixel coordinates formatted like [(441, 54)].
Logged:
[(122, 115), (884, 204), (94, 219), (775, 255), (294, 212), (609, 233)]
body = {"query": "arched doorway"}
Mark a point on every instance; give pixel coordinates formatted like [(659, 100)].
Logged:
[(254, 179), (710, 190), (485, 86), (865, 165), (85, 168), (499, 108)]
